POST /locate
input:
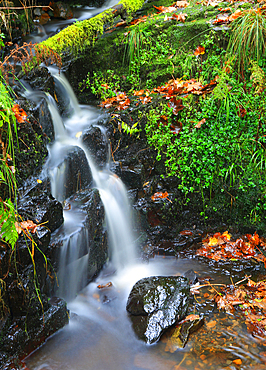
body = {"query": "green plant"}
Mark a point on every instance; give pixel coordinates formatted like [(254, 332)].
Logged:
[(103, 85), (7, 216), (135, 39), (28, 56), (247, 39)]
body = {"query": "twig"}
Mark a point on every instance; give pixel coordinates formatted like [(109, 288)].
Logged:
[(25, 7), (245, 278)]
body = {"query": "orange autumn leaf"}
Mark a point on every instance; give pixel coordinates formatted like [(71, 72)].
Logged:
[(20, 114), (211, 324), (224, 9), (186, 232), (221, 18), (26, 225), (103, 286), (238, 361), (138, 93), (235, 15), (181, 4), (159, 195), (179, 17), (145, 99), (176, 105), (164, 9), (200, 50), (200, 123)]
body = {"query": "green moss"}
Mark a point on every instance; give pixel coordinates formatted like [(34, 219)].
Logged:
[(132, 5), (81, 35)]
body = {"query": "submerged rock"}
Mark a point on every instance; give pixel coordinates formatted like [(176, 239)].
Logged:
[(156, 303), (178, 336)]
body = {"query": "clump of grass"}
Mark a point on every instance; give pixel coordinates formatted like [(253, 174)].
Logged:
[(135, 40), (247, 41)]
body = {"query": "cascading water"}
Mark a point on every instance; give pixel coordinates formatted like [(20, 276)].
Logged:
[(112, 191)]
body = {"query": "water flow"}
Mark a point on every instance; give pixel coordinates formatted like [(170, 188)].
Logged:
[(111, 189), (66, 90)]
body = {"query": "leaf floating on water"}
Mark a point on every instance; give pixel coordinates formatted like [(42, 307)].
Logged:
[(211, 324), (238, 361), (39, 181), (103, 286), (78, 134)]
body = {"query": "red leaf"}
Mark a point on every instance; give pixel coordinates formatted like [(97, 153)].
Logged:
[(20, 114), (200, 50), (176, 105), (159, 195)]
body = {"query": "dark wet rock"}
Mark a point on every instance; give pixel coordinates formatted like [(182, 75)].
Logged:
[(96, 142), (41, 207), (78, 172), (30, 149), (156, 303), (131, 176), (62, 10), (191, 276), (16, 342), (42, 114), (93, 236), (40, 79)]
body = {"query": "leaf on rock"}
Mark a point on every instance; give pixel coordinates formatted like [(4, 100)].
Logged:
[(181, 4), (164, 9), (26, 225), (159, 195), (20, 114)]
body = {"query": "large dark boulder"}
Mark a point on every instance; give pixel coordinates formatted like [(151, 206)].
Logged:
[(96, 142), (156, 303)]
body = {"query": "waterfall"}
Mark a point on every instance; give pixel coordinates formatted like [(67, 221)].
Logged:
[(112, 191)]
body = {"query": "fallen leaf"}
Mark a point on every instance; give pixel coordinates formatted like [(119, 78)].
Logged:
[(107, 285), (235, 15), (186, 232), (200, 50), (164, 9), (20, 114), (238, 361), (159, 195), (181, 4), (211, 324), (200, 123)]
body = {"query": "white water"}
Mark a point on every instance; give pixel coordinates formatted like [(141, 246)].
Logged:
[(68, 135)]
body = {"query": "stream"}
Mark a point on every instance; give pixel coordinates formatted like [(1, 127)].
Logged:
[(99, 335)]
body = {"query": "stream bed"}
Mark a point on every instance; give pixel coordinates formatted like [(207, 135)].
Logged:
[(100, 336)]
